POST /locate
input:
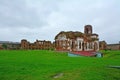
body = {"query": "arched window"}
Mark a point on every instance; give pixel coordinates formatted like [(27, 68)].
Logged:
[(79, 44)]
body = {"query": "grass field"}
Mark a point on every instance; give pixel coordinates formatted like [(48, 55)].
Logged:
[(46, 65)]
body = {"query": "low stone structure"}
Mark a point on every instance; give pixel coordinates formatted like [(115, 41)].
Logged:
[(38, 44), (113, 46), (77, 41)]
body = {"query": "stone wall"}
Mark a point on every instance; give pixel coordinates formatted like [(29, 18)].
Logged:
[(38, 44), (113, 46)]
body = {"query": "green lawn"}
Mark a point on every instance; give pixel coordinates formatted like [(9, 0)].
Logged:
[(44, 65)]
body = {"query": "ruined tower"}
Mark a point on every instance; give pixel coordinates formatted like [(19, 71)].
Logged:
[(88, 29)]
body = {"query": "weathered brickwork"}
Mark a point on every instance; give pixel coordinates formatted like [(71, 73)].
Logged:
[(102, 45), (113, 46), (77, 41), (41, 45)]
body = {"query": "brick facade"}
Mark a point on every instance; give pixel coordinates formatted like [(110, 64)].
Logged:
[(40, 45), (77, 41), (102, 45)]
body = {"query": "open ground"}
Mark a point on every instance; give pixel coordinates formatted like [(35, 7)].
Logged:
[(52, 65)]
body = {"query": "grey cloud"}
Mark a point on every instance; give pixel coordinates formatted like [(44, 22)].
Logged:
[(43, 19), (16, 13)]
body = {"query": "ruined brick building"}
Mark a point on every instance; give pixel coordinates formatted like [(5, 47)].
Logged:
[(41, 45), (77, 41), (102, 45), (64, 41)]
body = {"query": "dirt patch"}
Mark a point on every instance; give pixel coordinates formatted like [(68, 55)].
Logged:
[(58, 75)]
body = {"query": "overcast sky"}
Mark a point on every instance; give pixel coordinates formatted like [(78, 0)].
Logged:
[(43, 19)]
